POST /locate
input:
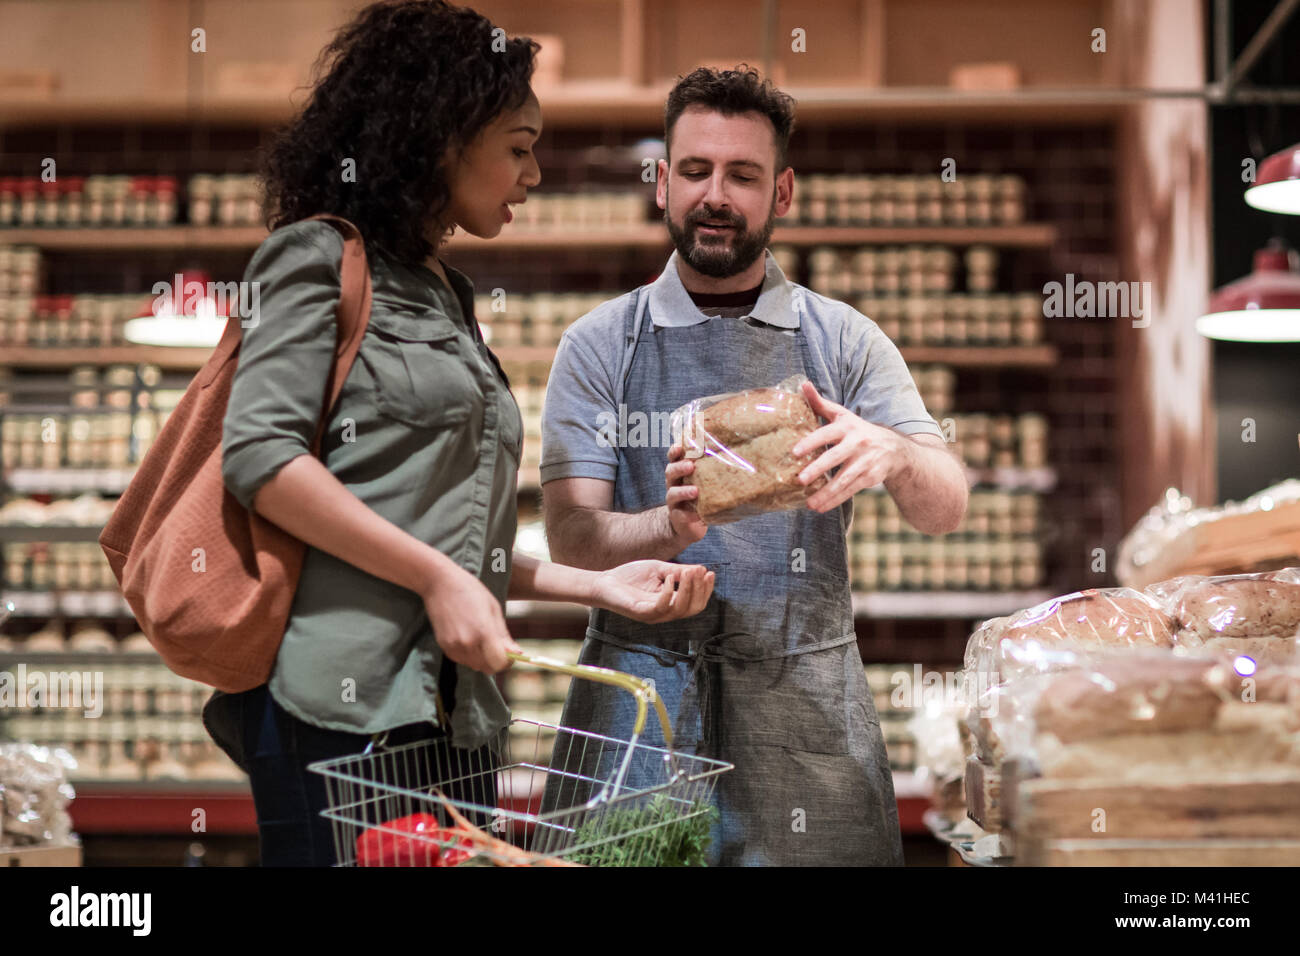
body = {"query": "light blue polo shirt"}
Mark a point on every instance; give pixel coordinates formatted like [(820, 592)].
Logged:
[(867, 372)]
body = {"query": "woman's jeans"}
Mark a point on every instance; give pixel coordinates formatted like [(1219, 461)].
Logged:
[(274, 748)]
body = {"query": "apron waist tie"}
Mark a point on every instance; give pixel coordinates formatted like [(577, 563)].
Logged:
[(705, 653)]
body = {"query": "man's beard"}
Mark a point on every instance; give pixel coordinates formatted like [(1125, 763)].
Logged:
[(725, 255)]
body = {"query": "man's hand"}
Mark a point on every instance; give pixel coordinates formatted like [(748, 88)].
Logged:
[(684, 520), (867, 454)]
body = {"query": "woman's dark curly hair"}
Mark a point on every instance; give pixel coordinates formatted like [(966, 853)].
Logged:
[(395, 89)]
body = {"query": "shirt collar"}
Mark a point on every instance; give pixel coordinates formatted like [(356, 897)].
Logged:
[(670, 304)]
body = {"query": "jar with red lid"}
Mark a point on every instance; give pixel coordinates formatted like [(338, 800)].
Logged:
[(61, 330), (72, 201), (8, 200), (165, 190), (202, 193), (28, 200), (49, 195), (93, 214), (118, 193), (139, 198)]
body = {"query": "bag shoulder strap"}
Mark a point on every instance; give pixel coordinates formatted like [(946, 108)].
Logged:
[(353, 314)]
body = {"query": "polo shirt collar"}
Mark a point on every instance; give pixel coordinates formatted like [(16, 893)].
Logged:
[(670, 304)]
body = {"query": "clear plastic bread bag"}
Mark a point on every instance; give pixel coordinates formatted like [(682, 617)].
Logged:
[(1152, 715), (1174, 515), (741, 443), (1062, 633), (939, 754), (1253, 615), (1084, 621), (34, 795), (995, 720)]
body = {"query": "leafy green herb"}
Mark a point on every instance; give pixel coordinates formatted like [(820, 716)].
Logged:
[(657, 834)]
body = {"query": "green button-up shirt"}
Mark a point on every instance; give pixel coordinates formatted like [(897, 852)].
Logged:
[(425, 432)]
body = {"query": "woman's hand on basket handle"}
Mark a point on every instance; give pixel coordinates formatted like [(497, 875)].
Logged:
[(306, 500), (468, 621)]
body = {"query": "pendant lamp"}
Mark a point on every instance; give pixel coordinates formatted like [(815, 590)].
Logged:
[(1262, 307)]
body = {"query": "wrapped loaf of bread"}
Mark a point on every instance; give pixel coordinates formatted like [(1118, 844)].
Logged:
[(1166, 717), (1255, 615), (1113, 616), (1083, 622), (741, 445)]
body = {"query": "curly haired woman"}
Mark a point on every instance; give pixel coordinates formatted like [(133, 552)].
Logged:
[(422, 120)]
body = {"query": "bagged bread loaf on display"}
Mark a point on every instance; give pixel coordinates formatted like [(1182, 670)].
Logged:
[(1062, 633), (740, 443), (1172, 525), (34, 796), (940, 756), (1155, 716), (1251, 615), (1085, 621)]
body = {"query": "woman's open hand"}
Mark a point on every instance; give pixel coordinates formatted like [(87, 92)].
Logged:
[(653, 591)]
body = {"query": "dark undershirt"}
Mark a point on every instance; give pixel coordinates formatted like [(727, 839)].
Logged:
[(707, 302)]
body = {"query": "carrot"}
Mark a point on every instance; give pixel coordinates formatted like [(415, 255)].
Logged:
[(493, 845)]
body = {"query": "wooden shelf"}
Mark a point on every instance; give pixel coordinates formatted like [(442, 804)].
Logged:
[(524, 354), (650, 235), (1023, 235), (67, 480), (878, 604), (973, 356), (634, 236), (607, 102), (50, 532), (1012, 479), (546, 609), (67, 604), (170, 359), (192, 359), (945, 604), (94, 239)]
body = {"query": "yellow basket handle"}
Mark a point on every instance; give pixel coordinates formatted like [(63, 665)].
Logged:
[(642, 690)]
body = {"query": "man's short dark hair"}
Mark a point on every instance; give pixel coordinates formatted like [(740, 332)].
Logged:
[(731, 92)]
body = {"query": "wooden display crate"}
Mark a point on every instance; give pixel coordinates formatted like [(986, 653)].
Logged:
[(41, 856), (1237, 820), (984, 794), (1159, 853)]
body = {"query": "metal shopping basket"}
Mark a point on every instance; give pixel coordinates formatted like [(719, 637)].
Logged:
[(539, 794)]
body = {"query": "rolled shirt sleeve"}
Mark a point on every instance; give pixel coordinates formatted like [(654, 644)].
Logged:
[(279, 386), (878, 387), (579, 417)]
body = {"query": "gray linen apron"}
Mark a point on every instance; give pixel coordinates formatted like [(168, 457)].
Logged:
[(768, 677)]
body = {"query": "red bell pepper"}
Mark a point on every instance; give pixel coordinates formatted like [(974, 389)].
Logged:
[(417, 840)]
